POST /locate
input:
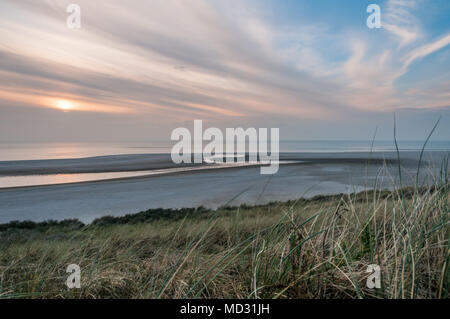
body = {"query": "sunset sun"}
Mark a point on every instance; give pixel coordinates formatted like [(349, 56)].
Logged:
[(64, 105)]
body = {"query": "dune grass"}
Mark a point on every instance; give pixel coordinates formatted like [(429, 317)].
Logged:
[(316, 248)]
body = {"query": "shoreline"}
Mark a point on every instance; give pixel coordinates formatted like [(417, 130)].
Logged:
[(138, 166), (178, 213), (199, 169), (143, 162), (210, 187)]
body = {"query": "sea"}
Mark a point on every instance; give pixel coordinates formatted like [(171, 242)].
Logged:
[(37, 151), (11, 153)]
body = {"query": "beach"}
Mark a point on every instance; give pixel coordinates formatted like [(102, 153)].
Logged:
[(162, 184)]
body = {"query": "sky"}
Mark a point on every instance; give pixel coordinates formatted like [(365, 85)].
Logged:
[(136, 70)]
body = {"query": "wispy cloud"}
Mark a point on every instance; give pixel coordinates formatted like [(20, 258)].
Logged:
[(178, 60), (398, 19), (427, 49)]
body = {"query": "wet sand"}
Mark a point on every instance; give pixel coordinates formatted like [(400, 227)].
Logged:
[(143, 162), (316, 174)]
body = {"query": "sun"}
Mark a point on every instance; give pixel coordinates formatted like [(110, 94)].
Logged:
[(64, 105)]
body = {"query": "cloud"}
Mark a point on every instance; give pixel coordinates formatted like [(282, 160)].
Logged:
[(374, 68), (398, 19), (175, 55), (176, 60), (427, 49)]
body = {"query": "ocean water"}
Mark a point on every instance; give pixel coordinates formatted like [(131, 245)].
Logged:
[(311, 168), (330, 146), (327, 174), (36, 151), (13, 155)]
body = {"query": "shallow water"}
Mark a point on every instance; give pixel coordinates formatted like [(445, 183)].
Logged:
[(55, 179), (52, 179), (316, 174)]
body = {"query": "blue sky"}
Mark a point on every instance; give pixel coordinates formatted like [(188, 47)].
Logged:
[(137, 70)]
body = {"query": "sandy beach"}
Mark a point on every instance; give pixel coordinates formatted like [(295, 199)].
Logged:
[(312, 174)]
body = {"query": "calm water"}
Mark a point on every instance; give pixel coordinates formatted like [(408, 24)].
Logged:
[(210, 188), (54, 179), (36, 151), (9, 153), (321, 168), (28, 151)]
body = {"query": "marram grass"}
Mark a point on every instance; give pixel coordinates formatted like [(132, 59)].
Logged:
[(317, 248)]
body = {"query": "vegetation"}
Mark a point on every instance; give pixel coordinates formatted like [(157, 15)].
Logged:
[(316, 248)]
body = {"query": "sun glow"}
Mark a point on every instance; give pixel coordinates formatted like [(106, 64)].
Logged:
[(64, 105)]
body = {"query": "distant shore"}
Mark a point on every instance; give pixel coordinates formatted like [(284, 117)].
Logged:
[(144, 162), (200, 185)]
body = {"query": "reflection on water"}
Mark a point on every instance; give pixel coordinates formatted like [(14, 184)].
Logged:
[(36, 180), (39, 180), (35, 151)]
